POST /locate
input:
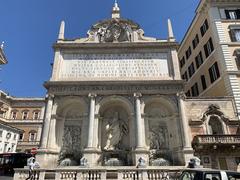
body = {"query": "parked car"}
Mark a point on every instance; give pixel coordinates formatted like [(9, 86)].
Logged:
[(209, 174)]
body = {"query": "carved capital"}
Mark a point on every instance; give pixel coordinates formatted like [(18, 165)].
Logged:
[(181, 95), (92, 95), (137, 95), (50, 96)]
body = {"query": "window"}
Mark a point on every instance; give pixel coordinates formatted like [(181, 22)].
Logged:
[(14, 137), (215, 126), (191, 70), (213, 176), (185, 76), (32, 135), (188, 52), (5, 147), (199, 60), (21, 136), (203, 80), (25, 115), (208, 47), (235, 34), (204, 27), (13, 147), (182, 62), (188, 94), (36, 115), (233, 14), (195, 41), (1, 132), (14, 115), (237, 54), (214, 72), (194, 90)]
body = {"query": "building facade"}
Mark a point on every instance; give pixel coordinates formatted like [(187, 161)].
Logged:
[(209, 52), (113, 99), (116, 97), (209, 63), (25, 114)]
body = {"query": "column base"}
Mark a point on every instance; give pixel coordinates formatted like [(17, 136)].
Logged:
[(188, 153), (47, 158), (93, 156), (142, 153)]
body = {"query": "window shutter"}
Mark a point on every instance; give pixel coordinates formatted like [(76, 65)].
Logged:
[(206, 23), (210, 74), (227, 14), (206, 51), (211, 44), (217, 70), (238, 13), (232, 35)]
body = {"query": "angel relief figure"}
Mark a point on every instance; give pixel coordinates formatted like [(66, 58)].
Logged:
[(115, 129)]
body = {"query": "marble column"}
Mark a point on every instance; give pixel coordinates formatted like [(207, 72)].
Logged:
[(91, 120), (46, 155), (47, 119), (185, 126), (140, 129), (91, 152), (187, 147), (141, 149)]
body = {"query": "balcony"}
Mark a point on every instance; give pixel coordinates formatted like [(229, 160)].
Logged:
[(208, 142)]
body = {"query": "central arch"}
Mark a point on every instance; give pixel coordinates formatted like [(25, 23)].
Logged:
[(115, 130)]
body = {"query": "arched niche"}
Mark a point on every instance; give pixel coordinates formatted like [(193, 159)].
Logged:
[(162, 128), (116, 129), (215, 126), (214, 120), (71, 115)]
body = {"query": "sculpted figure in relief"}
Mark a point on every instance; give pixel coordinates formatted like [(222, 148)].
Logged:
[(115, 130), (157, 138)]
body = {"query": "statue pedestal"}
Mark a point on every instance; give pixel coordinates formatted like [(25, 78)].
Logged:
[(115, 158), (93, 156), (47, 158), (140, 153)]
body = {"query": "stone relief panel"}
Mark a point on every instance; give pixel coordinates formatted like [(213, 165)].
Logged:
[(71, 148), (162, 132)]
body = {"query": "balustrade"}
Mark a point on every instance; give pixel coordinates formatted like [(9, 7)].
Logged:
[(126, 173), (214, 139)]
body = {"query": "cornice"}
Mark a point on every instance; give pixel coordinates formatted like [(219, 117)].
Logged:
[(103, 46)]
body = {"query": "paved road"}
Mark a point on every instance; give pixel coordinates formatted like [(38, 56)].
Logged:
[(6, 178)]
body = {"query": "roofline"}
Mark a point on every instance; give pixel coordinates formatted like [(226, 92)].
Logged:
[(11, 127), (191, 24), (197, 10), (22, 98)]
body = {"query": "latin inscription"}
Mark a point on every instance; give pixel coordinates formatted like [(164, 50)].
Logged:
[(135, 65)]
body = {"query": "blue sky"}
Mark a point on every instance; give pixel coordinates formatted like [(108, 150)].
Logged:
[(30, 27)]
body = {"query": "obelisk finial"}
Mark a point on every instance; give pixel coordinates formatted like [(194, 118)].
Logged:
[(170, 31), (116, 10), (61, 31)]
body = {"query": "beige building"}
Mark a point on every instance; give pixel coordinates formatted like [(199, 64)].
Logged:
[(25, 114), (209, 59), (209, 54)]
